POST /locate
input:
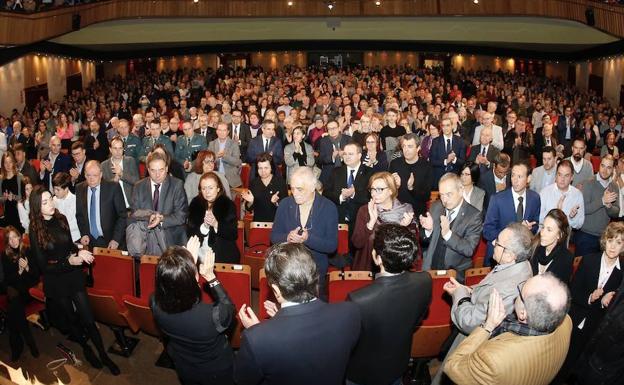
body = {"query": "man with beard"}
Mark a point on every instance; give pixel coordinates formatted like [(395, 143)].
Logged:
[(583, 169)]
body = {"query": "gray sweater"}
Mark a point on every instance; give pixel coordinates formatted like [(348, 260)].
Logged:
[(597, 216), (587, 172)]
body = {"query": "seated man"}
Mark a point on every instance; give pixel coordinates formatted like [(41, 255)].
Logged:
[(307, 342), (525, 349), (383, 351)]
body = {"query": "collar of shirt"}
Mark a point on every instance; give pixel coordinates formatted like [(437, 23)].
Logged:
[(603, 182), (455, 211), (355, 170), (290, 304), (605, 270), (516, 196), (502, 267), (499, 180), (577, 165), (450, 137)]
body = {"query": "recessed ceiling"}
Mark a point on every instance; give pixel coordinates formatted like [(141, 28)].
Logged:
[(532, 33)]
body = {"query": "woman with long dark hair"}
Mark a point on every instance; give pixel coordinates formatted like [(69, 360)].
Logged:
[(552, 254), (20, 274), (196, 330), (60, 261)]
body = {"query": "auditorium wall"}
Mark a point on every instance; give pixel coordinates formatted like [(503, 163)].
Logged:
[(479, 62), (34, 70), (275, 60), (391, 58)]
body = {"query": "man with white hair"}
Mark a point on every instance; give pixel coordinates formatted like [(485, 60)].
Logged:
[(309, 218), (497, 131)]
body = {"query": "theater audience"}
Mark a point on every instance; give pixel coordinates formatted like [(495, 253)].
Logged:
[(372, 157), (12, 188), (448, 153), (196, 340), (212, 218), (61, 263), (121, 169), (307, 217), (544, 175), (53, 163), (524, 348), (470, 177), (330, 149), (598, 277), (451, 229), (65, 202), (326, 333), (23, 207), (265, 191), (156, 137), (298, 153), (20, 274), (470, 305), (563, 196), (267, 142), (497, 179), (551, 252), (228, 156)]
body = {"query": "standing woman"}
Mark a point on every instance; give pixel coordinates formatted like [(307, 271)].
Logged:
[(20, 274), (11, 187), (298, 153), (23, 207), (552, 254), (205, 162), (65, 131), (197, 342), (212, 217), (265, 192), (373, 157), (60, 261), (42, 139)]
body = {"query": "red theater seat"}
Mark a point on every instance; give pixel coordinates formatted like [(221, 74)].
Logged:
[(342, 283), (258, 241), (475, 275), (343, 240), (244, 174), (147, 275), (479, 255)]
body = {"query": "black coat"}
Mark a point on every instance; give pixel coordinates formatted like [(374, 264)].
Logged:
[(222, 242), (113, 213), (338, 181), (561, 266), (391, 310)]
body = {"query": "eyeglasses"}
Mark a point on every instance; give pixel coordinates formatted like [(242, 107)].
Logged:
[(377, 190), (208, 161), (519, 287), (496, 243)]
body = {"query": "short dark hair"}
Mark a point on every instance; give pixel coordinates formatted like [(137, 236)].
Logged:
[(523, 164), (264, 157), (474, 169), (19, 147), (291, 268), (176, 286), (549, 149), (62, 180), (77, 145), (154, 155), (396, 246), (565, 163), (502, 159)]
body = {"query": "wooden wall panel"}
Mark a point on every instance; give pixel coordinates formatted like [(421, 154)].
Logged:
[(29, 28)]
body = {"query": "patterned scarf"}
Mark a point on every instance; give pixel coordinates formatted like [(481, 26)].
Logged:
[(512, 325)]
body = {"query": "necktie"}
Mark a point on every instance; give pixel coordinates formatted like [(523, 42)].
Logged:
[(351, 179), (156, 197), (124, 141), (520, 210), (448, 146), (266, 145), (449, 215), (482, 151), (235, 131), (93, 215)]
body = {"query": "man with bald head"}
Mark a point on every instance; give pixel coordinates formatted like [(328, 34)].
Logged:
[(54, 163), (487, 121), (484, 154), (100, 210), (526, 348)]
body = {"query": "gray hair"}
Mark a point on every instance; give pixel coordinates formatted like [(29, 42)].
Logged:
[(520, 241), (451, 176), (411, 136), (307, 174), (547, 308), (291, 268)]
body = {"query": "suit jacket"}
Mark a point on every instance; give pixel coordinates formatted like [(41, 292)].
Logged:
[(437, 156), (101, 153), (231, 161), (509, 359), (347, 210), (561, 128), (477, 198), (391, 307), (129, 176), (209, 136), (488, 184), (466, 234), (62, 163), (501, 212), (326, 149), (172, 205), (491, 154), (538, 177), (81, 176), (244, 136), (322, 336), (29, 171), (113, 212), (256, 147), (561, 265)]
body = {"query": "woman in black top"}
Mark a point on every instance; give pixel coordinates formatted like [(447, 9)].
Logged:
[(265, 191), (551, 253), (195, 330), (212, 217), (60, 261), (11, 187), (20, 274)]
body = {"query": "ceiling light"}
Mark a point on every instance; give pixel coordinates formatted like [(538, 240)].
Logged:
[(475, 1), (290, 3), (195, 1), (378, 3), (331, 4)]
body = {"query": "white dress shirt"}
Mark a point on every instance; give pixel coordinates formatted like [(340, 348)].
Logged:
[(67, 207), (549, 197)]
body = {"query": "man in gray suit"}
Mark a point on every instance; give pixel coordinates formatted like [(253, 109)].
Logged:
[(452, 228), (121, 169), (544, 175), (163, 194), (512, 250), (228, 160)]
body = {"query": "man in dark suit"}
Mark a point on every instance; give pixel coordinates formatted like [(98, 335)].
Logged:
[(330, 150), (54, 163), (323, 334), (100, 210), (451, 229), (515, 204), (23, 165), (267, 142), (96, 143), (204, 130), (77, 171), (121, 169), (391, 309), (163, 194), (484, 154), (448, 153), (240, 132), (567, 130), (497, 179)]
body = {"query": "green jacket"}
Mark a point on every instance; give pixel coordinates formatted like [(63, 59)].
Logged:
[(186, 147)]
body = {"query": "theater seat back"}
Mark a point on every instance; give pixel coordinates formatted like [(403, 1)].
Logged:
[(113, 271), (342, 283), (147, 275), (265, 294), (475, 275)]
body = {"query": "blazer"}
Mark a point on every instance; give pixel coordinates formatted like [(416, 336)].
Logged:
[(62, 163), (231, 161), (223, 241), (488, 184), (244, 136), (561, 128), (509, 359), (477, 198), (172, 204), (101, 153), (561, 265), (113, 212), (291, 163), (326, 149), (347, 210), (501, 212), (465, 236), (491, 154), (437, 156), (391, 308), (256, 147), (129, 177), (29, 171), (306, 344)]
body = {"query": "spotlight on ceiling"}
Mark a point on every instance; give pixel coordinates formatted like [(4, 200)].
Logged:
[(331, 5), (290, 3), (195, 1), (378, 3), (475, 1)]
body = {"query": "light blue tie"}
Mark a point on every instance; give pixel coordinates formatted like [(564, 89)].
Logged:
[(93, 215)]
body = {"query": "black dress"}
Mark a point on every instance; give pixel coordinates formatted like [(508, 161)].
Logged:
[(11, 215), (223, 241), (263, 209), (561, 265)]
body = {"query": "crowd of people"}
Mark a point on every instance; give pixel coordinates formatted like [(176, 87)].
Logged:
[(509, 157)]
